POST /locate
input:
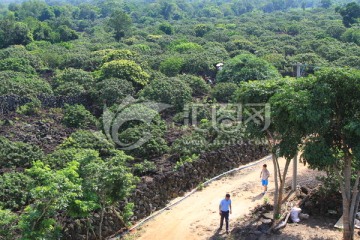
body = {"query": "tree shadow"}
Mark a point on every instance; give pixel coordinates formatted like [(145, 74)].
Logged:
[(258, 197)]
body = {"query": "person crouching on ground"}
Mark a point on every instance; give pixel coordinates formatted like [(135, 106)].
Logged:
[(264, 175), (224, 210)]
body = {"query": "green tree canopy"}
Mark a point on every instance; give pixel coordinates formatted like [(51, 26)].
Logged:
[(350, 13), (125, 69), (120, 22), (246, 67), (172, 91)]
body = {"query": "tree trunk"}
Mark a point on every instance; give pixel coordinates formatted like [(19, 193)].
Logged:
[(276, 194), (354, 203), (282, 183), (346, 195), (101, 221)]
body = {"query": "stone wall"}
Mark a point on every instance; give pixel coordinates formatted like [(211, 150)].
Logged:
[(154, 192), (9, 103)]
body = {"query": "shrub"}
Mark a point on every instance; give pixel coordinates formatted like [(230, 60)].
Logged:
[(154, 146), (187, 47), (146, 167), (119, 54), (113, 90), (201, 29), (246, 67), (185, 159), (15, 190), (78, 117), (22, 84), (171, 91), (72, 75), (61, 157), (350, 61), (222, 92), (18, 154), (166, 28), (188, 145), (17, 65), (171, 66), (8, 224), (89, 140), (351, 35), (69, 89), (125, 69), (198, 85), (30, 108)]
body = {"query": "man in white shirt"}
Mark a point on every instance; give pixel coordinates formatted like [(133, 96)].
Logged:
[(224, 210)]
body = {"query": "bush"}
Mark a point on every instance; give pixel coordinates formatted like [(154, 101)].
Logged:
[(19, 52), (89, 140), (171, 91), (201, 29), (17, 65), (185, 159), (246, 67), (125, 69), (154, 146), (22, 84), (351, 35), (78, 117), (351, 61), (15, 190), (166, 28), (146, 167), (61, 157), (18, 154), (119, 54), (187, 47), (198, 85), (113, 90), (171, 66), (188, 145), (8, 224), (74, 76), (222, 92), (69, 89), (30, 108)]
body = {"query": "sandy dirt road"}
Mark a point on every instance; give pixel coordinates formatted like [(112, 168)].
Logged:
[(197, 217)]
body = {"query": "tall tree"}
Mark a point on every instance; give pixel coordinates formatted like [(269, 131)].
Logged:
[(335, 144), (291, 121), (120, 22), (350, 13)]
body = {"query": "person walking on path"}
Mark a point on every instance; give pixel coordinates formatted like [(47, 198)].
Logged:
[(224, 210), (264, 175)]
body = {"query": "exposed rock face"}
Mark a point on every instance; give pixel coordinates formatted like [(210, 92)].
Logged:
[(153, 192)]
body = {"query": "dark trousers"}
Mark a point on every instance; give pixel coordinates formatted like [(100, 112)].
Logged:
[(224, 214)]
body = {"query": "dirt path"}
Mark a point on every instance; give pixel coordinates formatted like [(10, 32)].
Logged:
[(197, 216)]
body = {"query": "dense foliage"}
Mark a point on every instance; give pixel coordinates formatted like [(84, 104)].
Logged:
[(124, 70)]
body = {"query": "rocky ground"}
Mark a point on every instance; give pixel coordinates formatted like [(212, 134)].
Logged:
[(44, 129)]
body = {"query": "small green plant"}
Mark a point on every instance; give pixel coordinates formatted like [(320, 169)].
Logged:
[(143, 168), (186, 159), (266, 200), (78, 117), (30, 108), (200, 187)]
